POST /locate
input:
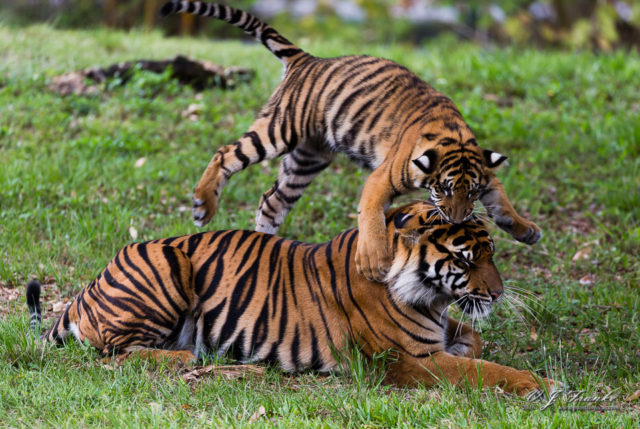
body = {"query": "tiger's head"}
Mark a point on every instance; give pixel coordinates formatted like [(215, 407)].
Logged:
[(449, 163), (435, 262)]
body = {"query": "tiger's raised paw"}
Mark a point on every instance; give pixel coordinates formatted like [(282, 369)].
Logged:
[(531, 235), (522, 230), (203, 208), (373, 261)]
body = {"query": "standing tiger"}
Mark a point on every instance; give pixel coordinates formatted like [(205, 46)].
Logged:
[(260, 297), (381, 116)]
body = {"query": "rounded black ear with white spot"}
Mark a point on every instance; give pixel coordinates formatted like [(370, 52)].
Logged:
[(427, 161), (493, 159)]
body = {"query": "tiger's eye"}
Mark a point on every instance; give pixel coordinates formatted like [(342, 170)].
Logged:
[(464, 264)]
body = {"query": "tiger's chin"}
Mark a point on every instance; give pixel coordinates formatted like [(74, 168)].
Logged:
[(476, 308)]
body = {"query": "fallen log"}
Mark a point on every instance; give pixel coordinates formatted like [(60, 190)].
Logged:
[(198, 74)]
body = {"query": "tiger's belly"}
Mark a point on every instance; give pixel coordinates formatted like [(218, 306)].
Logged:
[(253, 326), (365, 151)]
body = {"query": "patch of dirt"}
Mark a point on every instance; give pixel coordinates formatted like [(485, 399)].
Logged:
[(7, 296), (572, 220), (53, 301)]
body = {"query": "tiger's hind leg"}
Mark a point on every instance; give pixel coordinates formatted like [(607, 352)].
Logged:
[(263, 140), (297, 169), (174, 358), (145, 298)]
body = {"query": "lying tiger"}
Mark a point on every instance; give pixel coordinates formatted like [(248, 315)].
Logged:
[(260, 297), (381, 116)]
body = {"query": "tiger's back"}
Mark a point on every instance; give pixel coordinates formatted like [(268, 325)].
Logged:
[(336, 104)]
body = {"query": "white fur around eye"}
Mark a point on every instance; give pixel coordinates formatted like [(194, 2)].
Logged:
[(495, 157)]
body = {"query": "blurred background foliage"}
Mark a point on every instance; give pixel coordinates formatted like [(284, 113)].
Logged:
[(572, 24)]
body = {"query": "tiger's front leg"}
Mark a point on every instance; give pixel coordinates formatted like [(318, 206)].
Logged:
[(372, 255), (440, 366), (254, 146), (297, 170), (501, 210)]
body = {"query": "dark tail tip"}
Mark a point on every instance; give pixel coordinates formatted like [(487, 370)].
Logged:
[(33, 297), (168, 8)]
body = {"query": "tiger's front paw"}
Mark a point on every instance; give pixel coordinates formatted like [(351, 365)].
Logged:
[(540, 387), (372, 258), (205, 205), (527, 232), (521, 229)]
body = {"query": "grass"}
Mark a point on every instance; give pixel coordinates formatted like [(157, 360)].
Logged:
[(71, 195)]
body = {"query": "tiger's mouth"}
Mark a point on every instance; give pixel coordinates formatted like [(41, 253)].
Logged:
[(477, 307)]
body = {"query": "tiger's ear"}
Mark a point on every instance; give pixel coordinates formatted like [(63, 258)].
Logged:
[(427, 161), (493, 159), (407, 225)]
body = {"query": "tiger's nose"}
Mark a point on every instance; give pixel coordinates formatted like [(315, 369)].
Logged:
[(457, 215), (495, 294)]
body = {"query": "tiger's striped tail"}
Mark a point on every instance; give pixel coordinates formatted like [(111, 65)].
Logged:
[(35, 311), (264, 33)]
